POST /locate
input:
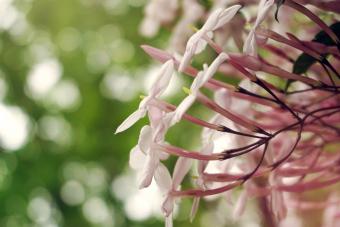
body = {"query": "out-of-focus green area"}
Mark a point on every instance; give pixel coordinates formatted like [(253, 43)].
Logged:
[(70, 72)]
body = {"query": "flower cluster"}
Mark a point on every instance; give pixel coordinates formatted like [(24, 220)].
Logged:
[(274, 142)]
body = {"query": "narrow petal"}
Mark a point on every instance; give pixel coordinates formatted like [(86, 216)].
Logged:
[(168, 206), (131, 120), (194, 208), (226, 15), (149, 169), (190, 50), (163, 79), (182, 108), (163, 178), (182, 167)]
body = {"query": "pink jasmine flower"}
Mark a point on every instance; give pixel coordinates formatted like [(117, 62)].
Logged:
[(263, 11), (159, 86), (197, 42)]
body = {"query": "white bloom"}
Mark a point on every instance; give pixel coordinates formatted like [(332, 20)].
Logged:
[(201, 78), (263, 10), (166, 184), (197, 42), (159, 86)]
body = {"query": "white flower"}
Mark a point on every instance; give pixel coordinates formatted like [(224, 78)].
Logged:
[(263, 10), (159, 86), (197, 42), (201, 78), (167, 184), (144, 157)]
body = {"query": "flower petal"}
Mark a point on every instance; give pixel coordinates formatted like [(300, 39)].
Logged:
[(194, 208), (131, 120), (149, 169), (163, 79), (168, 206), (137, 158), (226, 15), (163, 178), (182, 167), (181, 109), (145, 139)]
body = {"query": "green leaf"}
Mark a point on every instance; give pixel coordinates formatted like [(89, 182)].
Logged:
[(305, 61)]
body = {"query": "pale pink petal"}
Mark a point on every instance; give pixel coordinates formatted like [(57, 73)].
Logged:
[(137, 158), (168, 206), (190, 50), (182, 167), (212, 20), (144, 139), (226, 15), (194, 208), (240, 205), (213, 67), (263, 10), (131, 120), (163, 79), (202, 43), (249, 46), (163, 178), (149, 169), (182, 108)]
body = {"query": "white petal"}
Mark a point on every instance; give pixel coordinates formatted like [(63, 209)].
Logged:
[(202, 43), (131, 120), (214, 67), (163, 178), (194, 208), (145, 139), (168, 206), (249, 46), (137, 158), (212, 20), (182, 167), (149, 169), (190, 50), (227, 15), (182, 108), (163, 79)]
